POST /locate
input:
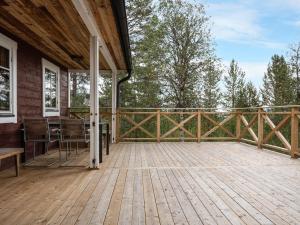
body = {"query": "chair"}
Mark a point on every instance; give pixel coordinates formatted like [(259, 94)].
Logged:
[(72, 131), (37, 130)]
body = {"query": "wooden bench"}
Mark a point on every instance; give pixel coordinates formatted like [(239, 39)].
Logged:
[(12, 152)]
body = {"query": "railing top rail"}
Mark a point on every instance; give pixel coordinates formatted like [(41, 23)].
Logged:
[(196, 108), (218, 108)]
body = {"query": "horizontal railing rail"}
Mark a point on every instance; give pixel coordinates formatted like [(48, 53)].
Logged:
[(274, 127)]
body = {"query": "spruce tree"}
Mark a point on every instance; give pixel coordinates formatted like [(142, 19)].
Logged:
[(278, 86), (249, 96), (234, 86), (210, 84), (294, 61), (143, 88)]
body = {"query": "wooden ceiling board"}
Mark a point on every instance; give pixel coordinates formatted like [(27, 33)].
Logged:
[(105, 19), (55, 28)]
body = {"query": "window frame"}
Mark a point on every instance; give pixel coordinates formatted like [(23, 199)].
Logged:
[(50, 66), (11, 115)]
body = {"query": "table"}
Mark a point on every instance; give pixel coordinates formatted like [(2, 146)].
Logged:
[(56, 123), (101, 124), (10, 152)]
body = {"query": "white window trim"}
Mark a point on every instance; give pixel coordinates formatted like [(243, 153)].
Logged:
[(12, 46), (51, 66)]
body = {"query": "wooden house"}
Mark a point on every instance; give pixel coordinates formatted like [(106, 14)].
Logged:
[(40, 42)]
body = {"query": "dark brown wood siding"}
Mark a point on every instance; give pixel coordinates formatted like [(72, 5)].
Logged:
[(29, 88)]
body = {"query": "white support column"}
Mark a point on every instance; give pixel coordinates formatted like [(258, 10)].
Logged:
[(94, 102), (114, 108)]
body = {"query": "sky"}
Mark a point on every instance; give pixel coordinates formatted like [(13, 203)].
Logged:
[(251, 31)]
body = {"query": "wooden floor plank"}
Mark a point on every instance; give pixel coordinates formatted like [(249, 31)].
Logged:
[(157, 183), (150, 205), (165, 216), (138, 212)]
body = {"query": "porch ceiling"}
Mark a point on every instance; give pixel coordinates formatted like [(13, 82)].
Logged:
[(56, 29)]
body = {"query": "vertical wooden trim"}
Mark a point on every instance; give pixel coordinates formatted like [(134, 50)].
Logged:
[(94, 102), (294, 132), (158, 126), (199, 126), (260, 122), (238, 125)]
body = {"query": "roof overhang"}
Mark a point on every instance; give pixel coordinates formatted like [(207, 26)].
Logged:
[(55, 28)]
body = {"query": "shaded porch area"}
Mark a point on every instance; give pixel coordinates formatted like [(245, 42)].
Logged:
[(159, 183)]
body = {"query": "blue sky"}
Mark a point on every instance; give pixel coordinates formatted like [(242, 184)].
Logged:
[(251, 31)]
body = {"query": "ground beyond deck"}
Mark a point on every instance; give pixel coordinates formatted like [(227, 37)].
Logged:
[(167, 183)]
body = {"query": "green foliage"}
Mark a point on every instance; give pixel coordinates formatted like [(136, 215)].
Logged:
[(105, 95), (234, 85), (252, 95), (187, 46), (143, 89), (79, 93), (278, 84), (210, 93), (175, 64), (294, 61)]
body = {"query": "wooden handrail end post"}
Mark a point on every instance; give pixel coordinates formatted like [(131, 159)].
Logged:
[(199, 126), (294, 132), (260, 134), (238, 125), (158, 126)]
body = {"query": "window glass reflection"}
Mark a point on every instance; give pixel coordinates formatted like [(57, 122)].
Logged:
[(51, 91)]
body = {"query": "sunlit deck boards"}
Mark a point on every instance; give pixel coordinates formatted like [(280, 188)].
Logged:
[(167, 183)]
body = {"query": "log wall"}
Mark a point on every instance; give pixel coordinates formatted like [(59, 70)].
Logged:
[(29, 97)]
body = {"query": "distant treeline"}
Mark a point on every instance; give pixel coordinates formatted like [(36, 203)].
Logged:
[(175, 64)]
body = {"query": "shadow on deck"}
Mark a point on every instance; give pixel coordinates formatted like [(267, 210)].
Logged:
[(166, 183)]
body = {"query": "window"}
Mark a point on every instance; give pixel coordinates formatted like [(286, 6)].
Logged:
[(51, 84), (8, 80)]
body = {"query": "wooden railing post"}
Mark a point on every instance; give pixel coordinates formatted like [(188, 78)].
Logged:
[(294, 132), (199, 126), (260, 128), (158, 126), (238, 125)]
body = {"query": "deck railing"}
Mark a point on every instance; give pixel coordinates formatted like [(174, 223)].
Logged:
[(270, 127)]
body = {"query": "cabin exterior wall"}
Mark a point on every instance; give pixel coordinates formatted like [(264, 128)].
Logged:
[(29, 96)]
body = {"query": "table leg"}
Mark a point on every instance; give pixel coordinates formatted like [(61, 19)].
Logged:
[(107, 139), (100, 143), (17, 163)]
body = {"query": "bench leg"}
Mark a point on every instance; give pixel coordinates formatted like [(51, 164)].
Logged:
[(17, 163)]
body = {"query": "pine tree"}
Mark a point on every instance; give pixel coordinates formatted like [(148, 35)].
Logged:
[(247, 96), (234, 95), (143, 88), (186, 46), (294, 61), (210, 85), (278, 86), (252, 95)]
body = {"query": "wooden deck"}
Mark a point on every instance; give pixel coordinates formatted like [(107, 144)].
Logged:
[(167, 183)]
